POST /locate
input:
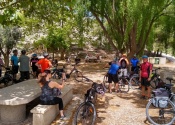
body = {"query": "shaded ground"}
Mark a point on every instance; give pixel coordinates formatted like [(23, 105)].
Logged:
[(112, 109)]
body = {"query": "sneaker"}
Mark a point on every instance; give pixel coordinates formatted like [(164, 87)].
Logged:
[(63, 117)]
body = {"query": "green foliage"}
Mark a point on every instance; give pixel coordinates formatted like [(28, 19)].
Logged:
[(9, 37)]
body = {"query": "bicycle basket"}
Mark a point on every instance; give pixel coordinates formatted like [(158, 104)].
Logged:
[(160, 102)]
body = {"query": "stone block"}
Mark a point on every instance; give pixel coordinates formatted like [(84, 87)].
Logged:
[(45, 114)]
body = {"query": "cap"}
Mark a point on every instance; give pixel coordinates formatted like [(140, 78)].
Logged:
[(144, 56)]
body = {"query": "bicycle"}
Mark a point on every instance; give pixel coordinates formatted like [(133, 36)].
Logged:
[(57, 73), (86, 112), (123, 82), (155, 78), (77, 74), (160, 109), (134, 82), (8, 76)]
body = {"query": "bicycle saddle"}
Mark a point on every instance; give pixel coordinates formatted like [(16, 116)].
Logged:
[(169, 78)]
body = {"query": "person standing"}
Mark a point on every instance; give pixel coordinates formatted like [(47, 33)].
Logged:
[(1, 64), (134, 64), (145, 77), (124, 63), (14, 62), (44, 63), (24, 66), (113, 75), (33, 61)]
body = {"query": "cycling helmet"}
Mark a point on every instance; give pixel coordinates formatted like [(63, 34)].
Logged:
[(45, 54), (144, 56), (23, 51), (34, 55)]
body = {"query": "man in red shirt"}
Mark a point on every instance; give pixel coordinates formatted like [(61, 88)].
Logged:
[(145, 77), (44, 63)]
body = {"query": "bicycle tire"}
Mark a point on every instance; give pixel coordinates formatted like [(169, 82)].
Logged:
[(85, 110), (134, 82), (105, 81), (78, 76), (155, 119), (123, 85)]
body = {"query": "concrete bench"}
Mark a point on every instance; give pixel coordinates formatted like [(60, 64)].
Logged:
[(45, 114), (13, 100)]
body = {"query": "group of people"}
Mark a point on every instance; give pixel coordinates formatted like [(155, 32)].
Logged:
[(44, 76), (120, 66)]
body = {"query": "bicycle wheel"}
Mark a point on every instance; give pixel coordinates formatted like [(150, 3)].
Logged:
[(85, 114), (123, 85), (78, 76), (105, 81), (160, 116), (134, 82)]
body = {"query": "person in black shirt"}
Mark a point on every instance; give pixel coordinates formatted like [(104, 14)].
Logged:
[(33, 61)]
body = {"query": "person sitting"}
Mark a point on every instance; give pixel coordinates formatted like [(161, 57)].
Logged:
[(47, 96)]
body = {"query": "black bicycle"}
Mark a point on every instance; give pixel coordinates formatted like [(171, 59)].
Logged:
[(160, 109), (155, 78), (57, 73), (86, 112), (8, 77)]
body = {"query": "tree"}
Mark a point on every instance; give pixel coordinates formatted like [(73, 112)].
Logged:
[(127, 24), (9, 36)]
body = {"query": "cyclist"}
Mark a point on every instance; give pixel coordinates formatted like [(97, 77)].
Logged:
[(33, 61), (145, 77), (134, 64), (24, 66), (44, 63), (47, 91), (113, 75), (14, 62), (124, 63)]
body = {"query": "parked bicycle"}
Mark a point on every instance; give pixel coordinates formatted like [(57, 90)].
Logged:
[(155, 78), (8, 77), (160, 109), (86, 112), (57, 73)]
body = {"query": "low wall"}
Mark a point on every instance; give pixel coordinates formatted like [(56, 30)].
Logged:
[(157, 60)]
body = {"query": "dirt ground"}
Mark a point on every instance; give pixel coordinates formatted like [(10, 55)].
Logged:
[(112, 109)]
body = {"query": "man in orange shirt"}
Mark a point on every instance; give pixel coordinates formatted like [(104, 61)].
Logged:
[(44, 63)]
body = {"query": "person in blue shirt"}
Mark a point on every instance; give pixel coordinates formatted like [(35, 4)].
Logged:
[(14, 62), (113, 75), (134, 64)]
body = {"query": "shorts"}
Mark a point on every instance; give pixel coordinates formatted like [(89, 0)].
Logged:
[(34, 68), (113, 78), (15, 69), (145, 82), (133, 68)]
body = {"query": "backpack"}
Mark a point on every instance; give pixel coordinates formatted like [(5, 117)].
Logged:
[(161, 97), (123, 63)]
